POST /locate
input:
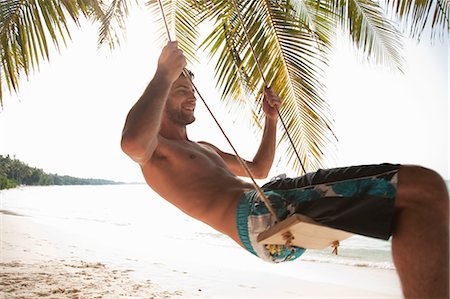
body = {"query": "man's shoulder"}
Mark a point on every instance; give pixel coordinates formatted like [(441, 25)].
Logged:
[(208, 145)]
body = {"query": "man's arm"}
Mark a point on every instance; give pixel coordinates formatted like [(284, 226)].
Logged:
[(263, 159), (140, 133)]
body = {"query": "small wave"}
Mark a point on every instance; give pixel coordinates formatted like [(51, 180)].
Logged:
[(32, 213), (99, 221), (10, 213), (86, 219), (352, 263), (121, 224), (210, 235)]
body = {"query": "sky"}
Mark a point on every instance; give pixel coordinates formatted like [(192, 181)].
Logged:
[(68, 116)]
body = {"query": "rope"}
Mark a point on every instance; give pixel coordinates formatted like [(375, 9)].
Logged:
[(241, 161), (287, 236), (236, 8)]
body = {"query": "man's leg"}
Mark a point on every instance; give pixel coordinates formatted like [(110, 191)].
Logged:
[(420, 243)]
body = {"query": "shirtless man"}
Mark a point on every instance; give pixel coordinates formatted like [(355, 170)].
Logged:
[(203, 181)]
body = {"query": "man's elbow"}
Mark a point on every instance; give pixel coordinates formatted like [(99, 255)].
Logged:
[(134, 148), (260, 173), (127, 144)]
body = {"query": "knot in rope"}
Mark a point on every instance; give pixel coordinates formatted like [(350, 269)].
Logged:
[(288, 237), (335, 246)]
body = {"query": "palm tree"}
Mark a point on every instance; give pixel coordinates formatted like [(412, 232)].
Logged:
[(287, 46)]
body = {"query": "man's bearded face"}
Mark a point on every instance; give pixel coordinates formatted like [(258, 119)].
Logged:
[(181, 103)]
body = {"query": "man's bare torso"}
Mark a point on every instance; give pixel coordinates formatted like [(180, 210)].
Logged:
[(193, 177), (198, 178)]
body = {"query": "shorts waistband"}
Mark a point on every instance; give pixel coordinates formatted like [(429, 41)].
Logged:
[(242, 212)]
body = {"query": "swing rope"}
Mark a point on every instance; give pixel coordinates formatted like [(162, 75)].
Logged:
[(287, 236), (241, 161), (241, 21)]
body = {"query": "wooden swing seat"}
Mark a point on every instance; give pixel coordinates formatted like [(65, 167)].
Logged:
[(306, 233)]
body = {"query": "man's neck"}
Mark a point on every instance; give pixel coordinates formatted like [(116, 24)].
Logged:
[(173, 132)]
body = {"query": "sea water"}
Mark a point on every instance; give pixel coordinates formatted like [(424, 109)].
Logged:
[(133, 221)]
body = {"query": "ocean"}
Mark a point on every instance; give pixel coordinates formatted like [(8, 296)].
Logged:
[(131, 223)]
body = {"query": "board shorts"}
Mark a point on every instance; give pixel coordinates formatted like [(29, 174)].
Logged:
[(357, 199)]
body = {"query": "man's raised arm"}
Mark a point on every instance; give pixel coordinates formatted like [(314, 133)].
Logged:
[(263, 160), (140, 133)]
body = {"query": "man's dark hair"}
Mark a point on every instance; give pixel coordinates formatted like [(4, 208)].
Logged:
[(190, 74)]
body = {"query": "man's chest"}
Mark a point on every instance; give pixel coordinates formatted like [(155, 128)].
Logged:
[(180, 154)]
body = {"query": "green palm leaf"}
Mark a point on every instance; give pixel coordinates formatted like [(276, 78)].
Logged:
[(372, 31), (289, 51), (416, 15), (319, 16), (110, 16), (182, 19), (226, 43), (27, 26)]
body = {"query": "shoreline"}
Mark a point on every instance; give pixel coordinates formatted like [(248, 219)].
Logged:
[(52, 260)]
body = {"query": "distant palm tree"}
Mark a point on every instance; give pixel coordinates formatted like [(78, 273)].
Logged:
[(291, 40)]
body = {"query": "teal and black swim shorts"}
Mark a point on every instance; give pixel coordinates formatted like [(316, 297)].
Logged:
[(357, 199)]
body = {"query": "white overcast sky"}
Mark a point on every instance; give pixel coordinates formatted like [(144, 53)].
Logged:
[(68, 116)]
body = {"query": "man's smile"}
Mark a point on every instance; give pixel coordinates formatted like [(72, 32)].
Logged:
[(190, 106)]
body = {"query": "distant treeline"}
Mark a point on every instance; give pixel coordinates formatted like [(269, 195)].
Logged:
[(13, 173)]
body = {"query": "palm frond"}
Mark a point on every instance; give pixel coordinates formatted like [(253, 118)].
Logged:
[(226, 44), (289, 53), (416, 15), (27, 27), (319, 16), (182, 18), (111, 18), (372, 31)]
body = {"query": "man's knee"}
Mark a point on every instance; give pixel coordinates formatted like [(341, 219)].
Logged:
[(419, 185)]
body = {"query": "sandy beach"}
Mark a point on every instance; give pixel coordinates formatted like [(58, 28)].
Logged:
[(125, 242), (36, 263), (39, 260)]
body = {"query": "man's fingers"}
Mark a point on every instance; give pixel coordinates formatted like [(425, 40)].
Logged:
[(172, 44), (172, 61), (272, 98), (171, 51), (276, 102)]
